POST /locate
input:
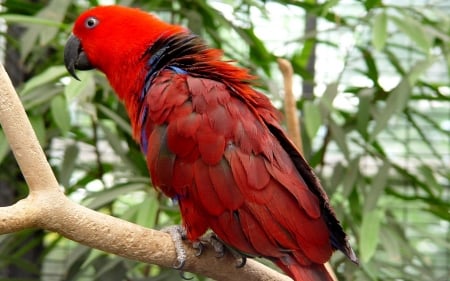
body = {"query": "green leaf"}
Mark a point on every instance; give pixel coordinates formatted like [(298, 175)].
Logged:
[(339, 136), (372, 70), (429, 177), (115, 142), (351, 175), (395, 103), (304, 56), (148, 211), (379, 33), (415, 31), (419, 68), (399, 96), (363, 115), (24, 19), (443, 213), (311, 118), (118, 120), (4, 146), (80, 89), (37, 122), (377, 187), (369, 235), (75, 260), (68, 164), (60, 113), (370, 4), (55, 10), (107, 196), (49, 75), (326, 101)]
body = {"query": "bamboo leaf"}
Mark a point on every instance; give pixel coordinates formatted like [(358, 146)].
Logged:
[(4, 146), (377, 187), (369, 235), (339, 137), (415, 31), (351, 175), (363, 115), (312, 118), (429, 177), (395, 103), (55, 10), (148, 211), (37, 122), (107, 196), (24, 19), (118, 120), (399, 96), (49, 75), (79, 90), (68, 165), (326, 101), (372, 70), (60, 113), (419, 68), (379, 33)]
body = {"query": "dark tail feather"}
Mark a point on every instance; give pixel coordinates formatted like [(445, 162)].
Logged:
[(313, 272)]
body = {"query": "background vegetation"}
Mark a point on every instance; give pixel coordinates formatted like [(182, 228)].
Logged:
[(375, 128)]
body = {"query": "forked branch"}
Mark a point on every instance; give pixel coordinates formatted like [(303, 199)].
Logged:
[(48, 208)]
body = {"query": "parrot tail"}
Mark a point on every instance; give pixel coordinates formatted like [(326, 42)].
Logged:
[(313, 272)]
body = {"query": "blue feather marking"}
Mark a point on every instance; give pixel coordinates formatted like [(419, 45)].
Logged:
[(177, 70), (144, 137), (153, 69), (144, 141), (144, 115)]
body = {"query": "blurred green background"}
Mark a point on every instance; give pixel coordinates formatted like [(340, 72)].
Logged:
[(373, 88)]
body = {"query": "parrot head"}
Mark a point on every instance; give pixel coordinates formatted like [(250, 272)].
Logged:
[(112, 37)]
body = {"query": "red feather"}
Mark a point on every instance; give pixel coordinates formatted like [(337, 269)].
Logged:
[(214, 143)]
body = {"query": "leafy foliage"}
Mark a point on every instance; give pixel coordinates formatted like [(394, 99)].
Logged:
[(380, 147)]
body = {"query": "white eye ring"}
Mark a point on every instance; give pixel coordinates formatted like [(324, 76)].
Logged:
[(91, 22)]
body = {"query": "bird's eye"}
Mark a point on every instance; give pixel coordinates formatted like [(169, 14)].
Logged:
[(91, 22)]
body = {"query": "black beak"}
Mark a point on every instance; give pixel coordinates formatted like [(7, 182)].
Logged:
[(74, 57)]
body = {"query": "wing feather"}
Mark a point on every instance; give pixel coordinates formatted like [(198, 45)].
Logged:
[(256, 235), (203, 190), (220, 158), (225, 186), (228, 227)]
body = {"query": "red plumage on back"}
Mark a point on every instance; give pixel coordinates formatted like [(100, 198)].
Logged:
[(211, 141)]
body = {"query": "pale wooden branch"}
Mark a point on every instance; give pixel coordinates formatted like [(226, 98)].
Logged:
[(292, 120), (48, 208), (290, 105)]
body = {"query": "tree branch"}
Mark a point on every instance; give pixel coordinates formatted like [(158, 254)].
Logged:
[(48, 208), (290, 103)]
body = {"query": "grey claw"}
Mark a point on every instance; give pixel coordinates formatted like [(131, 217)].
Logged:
[(242, 263), (199, 247), (179, 265), (218, 245)]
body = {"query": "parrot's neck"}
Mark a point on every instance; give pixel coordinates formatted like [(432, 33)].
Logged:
[(185, 54)]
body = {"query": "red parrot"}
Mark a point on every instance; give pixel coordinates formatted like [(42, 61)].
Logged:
[(212, 142)]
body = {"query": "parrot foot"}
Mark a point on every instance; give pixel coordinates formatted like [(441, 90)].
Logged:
[(178, 234), (219, 247)]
